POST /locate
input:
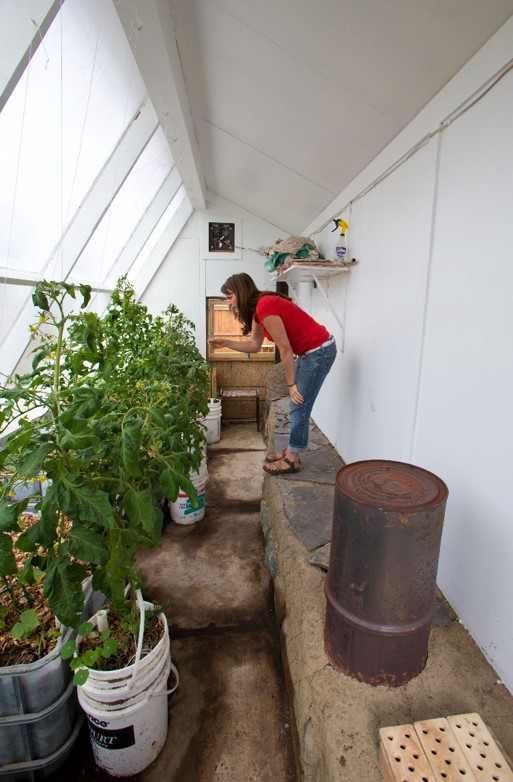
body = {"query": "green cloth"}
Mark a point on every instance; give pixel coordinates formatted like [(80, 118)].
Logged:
[(278, 259)]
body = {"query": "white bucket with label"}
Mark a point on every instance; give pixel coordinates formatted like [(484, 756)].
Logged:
[(213, 421), (126, 709), (182, 510)]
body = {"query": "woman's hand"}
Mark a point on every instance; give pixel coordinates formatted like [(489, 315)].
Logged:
[(295, 395), (217, 342)]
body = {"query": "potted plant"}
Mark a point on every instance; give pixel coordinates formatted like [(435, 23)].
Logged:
[(109, 414)]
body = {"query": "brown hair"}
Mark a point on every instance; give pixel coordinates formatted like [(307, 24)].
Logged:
[(247, 294)]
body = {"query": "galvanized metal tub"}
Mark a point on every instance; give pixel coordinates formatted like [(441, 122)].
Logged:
[(39, 715), (381, 583)]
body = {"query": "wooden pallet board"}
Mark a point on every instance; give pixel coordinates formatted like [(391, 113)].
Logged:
[(458, 747), (401, 756), (443, 751), (488, 761)]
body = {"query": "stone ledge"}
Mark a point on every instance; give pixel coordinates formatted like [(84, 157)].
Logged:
[(337, 717)]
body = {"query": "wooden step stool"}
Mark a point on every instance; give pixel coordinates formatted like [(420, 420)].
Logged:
[(244, 393), (442, 750)]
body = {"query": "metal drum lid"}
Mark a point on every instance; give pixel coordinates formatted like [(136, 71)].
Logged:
[(391, 486)]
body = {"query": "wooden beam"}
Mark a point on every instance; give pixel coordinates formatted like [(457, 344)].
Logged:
[(150, 30), (7, 278)]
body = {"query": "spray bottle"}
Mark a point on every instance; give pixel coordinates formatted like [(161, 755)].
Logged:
[(340, 247)]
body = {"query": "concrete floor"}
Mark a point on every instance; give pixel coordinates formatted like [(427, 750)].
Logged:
[(229, 720)]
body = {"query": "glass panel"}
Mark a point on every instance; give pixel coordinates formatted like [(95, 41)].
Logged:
[(125, 212), (12, 299), (164, 223), (60, 126)]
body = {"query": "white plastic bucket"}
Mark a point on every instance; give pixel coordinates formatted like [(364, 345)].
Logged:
[(182, 511), (213, 421), (127, 737), (126, 709)]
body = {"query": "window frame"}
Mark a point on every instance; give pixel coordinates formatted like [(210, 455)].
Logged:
[(266, 353)]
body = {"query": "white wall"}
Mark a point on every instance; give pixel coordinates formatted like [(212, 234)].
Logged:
[(185, 278), (426, 375)]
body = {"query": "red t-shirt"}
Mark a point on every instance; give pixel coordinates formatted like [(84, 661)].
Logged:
[(303, 331)]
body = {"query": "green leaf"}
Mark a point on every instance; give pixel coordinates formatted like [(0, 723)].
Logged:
[(63, 588), (90, 657), (130, 447), (81, 677), (4, 454), (190, 490), (40, 300), (44, 532), (24, 543), (85, 628), (26, 575), (90, 504), (139, 507), (78, 441), (109, 647), (19, 441), (153, 526), (157, 417), (40, 355), (68, 650), (85, 290), (33, 463), (88, 546), (29, 621), (170, 484), (87, 400), (7, 563), (6, 542), (9, 513)]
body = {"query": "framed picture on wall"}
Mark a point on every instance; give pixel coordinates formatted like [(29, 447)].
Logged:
[(221, 239)]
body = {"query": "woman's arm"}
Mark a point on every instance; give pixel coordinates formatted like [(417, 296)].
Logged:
[(251, 345), (274, 325)]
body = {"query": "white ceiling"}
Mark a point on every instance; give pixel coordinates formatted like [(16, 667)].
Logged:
[(290, 99)]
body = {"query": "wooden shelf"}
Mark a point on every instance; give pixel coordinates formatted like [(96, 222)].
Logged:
[(304, 272)]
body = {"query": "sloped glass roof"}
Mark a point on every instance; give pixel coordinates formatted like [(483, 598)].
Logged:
[(88, 184)]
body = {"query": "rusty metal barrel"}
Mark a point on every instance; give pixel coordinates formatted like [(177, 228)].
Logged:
[(381, 583)]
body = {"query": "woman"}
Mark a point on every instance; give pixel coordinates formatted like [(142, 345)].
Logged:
[(295, 333)]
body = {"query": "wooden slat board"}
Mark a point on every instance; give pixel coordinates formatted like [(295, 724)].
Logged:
[(402, 757), (488, 762), (443, 751), (457, 748)]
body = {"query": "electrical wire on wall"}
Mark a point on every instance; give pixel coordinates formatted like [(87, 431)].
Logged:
[(413, 428)]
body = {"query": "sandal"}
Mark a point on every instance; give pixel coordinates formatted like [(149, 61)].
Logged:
[(293, 467), (275, 457)]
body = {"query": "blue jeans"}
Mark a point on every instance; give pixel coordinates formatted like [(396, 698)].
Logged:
[(311, 370)]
